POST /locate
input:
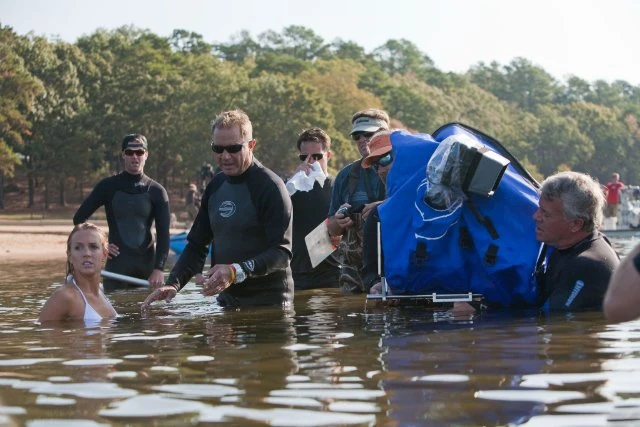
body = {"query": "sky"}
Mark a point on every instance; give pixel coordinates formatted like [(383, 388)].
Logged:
[(590, 39)]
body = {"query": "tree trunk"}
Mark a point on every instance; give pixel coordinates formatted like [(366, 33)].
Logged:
[(31, 191), (46, 195), (61, 199), (80, 191), (1, 190)]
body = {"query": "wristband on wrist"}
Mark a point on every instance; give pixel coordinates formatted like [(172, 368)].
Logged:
[(233, 273), (240, 273)]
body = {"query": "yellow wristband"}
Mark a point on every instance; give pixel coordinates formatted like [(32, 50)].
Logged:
[(233, 273)]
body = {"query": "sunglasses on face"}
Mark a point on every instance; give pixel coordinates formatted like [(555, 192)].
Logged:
[(138, 153), (356, 136), (231, 149), (315, 156), (383, 161)]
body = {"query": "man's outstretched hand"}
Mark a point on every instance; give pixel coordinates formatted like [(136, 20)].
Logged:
[(166, 293)]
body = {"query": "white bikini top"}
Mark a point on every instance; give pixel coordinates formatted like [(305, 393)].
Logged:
[(90, 314)]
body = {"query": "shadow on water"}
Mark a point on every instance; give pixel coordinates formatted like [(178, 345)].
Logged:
[(334, 360)]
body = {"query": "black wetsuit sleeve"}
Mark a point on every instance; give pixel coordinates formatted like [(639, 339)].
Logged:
[(273, 205), (97, 198), (162, 217), (192, 258)]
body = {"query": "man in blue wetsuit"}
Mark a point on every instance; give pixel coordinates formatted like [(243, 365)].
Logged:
[(576, 273), (246, 212), (132, 203)]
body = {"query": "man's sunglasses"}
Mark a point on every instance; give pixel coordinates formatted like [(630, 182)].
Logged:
[(356, 136), (138, 153), (383, 161), (314, 156), (232, 149)]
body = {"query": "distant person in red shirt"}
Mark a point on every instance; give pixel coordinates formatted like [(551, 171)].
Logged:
[(613, 195)]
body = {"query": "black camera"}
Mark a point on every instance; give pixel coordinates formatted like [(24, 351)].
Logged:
[(350, 211)]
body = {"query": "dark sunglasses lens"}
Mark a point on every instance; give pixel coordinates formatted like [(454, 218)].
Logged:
[(138, 153), (385, 160), (218, 149), (356, 136), (315, 156)]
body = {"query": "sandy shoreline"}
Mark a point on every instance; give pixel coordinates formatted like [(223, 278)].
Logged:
[(17, 247), (29, 241), (33, 240)]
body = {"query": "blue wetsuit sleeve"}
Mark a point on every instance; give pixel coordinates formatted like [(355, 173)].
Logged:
[(96, 198), (162, 218)]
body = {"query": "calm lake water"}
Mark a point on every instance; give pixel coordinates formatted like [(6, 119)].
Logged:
[(334, 360)]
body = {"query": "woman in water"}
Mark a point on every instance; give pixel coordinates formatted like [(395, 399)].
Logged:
[(81, 296)]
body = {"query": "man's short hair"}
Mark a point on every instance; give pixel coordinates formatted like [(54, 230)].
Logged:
[(369, 120), (314, 135), (581, 196), (231, 118)]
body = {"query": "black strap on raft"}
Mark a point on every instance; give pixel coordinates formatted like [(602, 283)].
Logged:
[(484, 220), (491, 256), (420, 256), (465, 238)]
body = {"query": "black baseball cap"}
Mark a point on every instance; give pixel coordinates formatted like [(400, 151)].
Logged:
[(134, 141)]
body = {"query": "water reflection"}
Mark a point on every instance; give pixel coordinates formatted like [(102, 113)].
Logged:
[(334, 360)]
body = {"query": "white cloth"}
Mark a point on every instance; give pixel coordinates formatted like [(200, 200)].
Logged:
[(303, 182)]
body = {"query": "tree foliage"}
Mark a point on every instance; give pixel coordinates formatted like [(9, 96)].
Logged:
[(64, 107)]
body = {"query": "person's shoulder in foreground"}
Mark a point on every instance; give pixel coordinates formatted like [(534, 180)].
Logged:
[(582, 259), (81, 297), (622, 300)]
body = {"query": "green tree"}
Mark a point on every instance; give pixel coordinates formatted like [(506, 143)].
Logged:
[(242, 47), (401, 57), (611, 138), (576, 90), (189, 42), (47, 151), (19, 90), (296, 41), (519, 82), (280, 107), (350, 50), (559, 141), (336, 81)]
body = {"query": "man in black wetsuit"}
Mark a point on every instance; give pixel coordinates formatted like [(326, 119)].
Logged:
[(246, 212), (132, 202), (310, 209), (576, 273)]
